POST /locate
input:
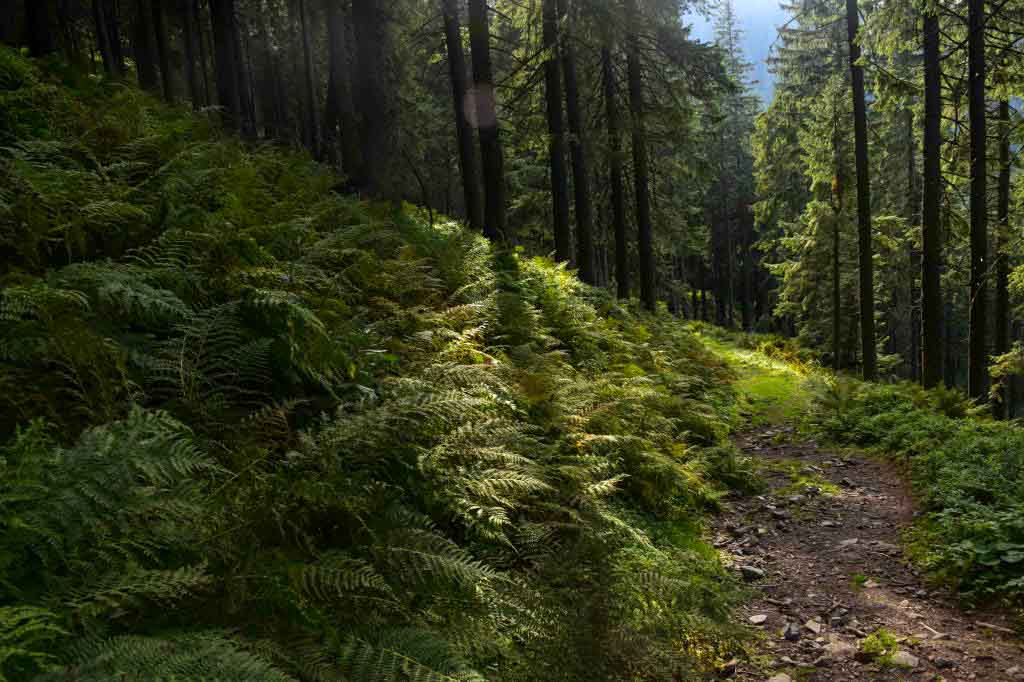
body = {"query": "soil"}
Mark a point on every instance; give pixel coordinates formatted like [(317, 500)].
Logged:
[(834, 573)]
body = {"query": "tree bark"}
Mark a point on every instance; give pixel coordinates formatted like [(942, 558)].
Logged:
[(39, 27), (370, 24), (641, 172), (932, 355), (577, 151), (978, 350), (913, 218), (487, 122), (222, 15), (341, 121), (188, 40), (99, 17), (1002, 311), (860, 125), (618, 195), (145, 55), (163, 50), (461, 101), (556, 132), (310, 128), (204, 57)]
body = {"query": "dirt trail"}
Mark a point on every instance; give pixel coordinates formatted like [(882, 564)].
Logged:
[(821, 548)]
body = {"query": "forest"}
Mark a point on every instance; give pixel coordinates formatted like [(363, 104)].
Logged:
[(437, 340)]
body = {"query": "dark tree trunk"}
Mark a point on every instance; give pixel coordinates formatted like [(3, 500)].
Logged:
[(977, 365), (913, 218), (222, 15), (747, 272), (836, 299), (99, 18), (641, 173), (860, 125), (370, 25), (556, 132), (188, 40), (145, 55), (1002, 311), (618, 195), (932, 355), (461, 101), (204, 57), (310, 129), (487, 122), (245, 98), (40, 29), (577, 150), (340, 124), (114, 35), (163, 50)]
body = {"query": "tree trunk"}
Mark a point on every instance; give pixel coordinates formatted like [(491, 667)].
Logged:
[(618, 195), (461, 101), (487, 122), (977, 365), (245, 97), (932, 355), (39, 27), (373, 99), (577, 151), (340, 125), (310, 129), (641, 173), (222, 15), (114, 35), (162, 50), (99, 18), (556, 132), (188, 40), (1002, 312), (145, 55), (204, 57), (913, 218), (860, 125)]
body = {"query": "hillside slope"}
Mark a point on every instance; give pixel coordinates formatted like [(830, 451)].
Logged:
[(256, 430)]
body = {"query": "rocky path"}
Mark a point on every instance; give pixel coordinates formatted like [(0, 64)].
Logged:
[(821, 548)]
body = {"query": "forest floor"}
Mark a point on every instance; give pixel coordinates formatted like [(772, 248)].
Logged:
[(821, 548)]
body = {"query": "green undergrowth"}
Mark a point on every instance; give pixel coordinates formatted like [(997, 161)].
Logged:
[(967, 470), (771, 373), (255, 430)]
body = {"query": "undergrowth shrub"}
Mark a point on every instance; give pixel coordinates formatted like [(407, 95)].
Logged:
[(257, 430), (967, 471)]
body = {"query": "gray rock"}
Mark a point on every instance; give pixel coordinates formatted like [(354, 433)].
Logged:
[(792, 632), (945, 663), (840, 650), (758, 619), (905, 659), (781, 677), (751, 573)]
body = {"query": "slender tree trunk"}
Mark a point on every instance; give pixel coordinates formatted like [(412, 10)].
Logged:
[(145, 55), (340, 119), (114, 35), (188, 40), (222, 15), (245, 96), (618, 195), (311, 131), (641, 172), (978, 348), (577, 150), (867, 285), (204, 57), (370, 25), (39, 26), (932, 355), (162, 50), (747, 273), (1002, 312), (556, 132), (99, 18), (461, 102), (487, 122), (914, 255)]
